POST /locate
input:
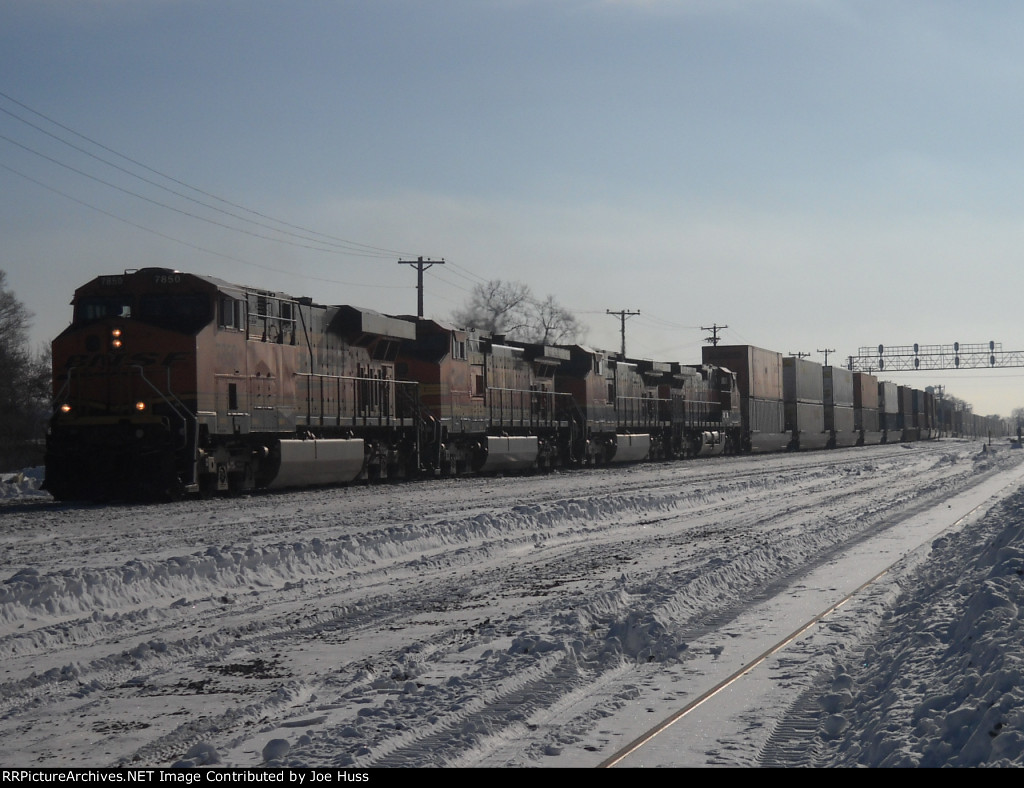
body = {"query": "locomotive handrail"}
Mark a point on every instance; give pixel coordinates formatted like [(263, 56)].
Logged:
[(59, 396), (184, 416), (189, 419), (364, 410), (357, 377), (305, 333), (527, 400), (577, 425), (647, 411)]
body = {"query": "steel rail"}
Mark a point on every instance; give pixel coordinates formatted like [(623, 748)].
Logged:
[(644, 738)]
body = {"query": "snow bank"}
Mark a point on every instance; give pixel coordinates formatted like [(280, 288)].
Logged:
[(943, 682), (23, 484), (217, 571)]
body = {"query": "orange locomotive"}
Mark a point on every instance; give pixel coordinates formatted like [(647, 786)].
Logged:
[(167, 382)]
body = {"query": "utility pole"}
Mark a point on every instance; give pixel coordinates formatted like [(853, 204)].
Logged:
[(826, 351), (799, 355), (714, 338), (622, 314), (421, 265)]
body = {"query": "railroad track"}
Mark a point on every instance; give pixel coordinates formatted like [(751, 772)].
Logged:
[(489, 618)]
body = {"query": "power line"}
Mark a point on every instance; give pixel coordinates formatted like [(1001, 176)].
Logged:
[(351, 247), (181, 211), (466, 273), (317, 241), (661, 322), (190, 245)]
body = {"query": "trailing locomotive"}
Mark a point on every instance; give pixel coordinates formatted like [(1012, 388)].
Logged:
[(168, 382)]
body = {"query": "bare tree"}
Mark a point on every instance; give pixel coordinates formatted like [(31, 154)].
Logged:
[(554, 323), (24, 383), (511, 309), (497, 307)]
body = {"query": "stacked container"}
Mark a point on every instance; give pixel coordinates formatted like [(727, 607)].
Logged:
[(865, 409), (804, 403), (889, 412), (906, 399), (929, 429), (759, 379), (837, 388)]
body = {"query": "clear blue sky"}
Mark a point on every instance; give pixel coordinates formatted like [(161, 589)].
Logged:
[(812, 173)]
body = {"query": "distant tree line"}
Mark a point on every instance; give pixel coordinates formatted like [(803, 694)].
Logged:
[(512, 310), (24, 387)]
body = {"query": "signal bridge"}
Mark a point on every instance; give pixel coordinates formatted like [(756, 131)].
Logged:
[(908, 358)]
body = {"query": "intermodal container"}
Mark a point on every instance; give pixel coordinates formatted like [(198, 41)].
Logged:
[(865, 390), (801, 380), (838, 386), (758, 371)]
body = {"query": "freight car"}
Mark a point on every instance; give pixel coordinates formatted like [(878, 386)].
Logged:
[(761, 426), (168, 382)]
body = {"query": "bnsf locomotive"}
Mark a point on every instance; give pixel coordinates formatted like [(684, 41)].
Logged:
[(168, 382)]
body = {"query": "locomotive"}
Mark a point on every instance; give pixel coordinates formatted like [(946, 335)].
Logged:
[(168, 382)]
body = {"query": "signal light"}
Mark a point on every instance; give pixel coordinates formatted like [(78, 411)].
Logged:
[(140, 406), (65, 408), (115, 339)]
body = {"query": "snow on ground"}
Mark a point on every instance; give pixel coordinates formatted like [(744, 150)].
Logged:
[(941, 683), (503, 622), (22, 484)]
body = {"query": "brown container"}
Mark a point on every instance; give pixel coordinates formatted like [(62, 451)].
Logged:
[(758, 371), (865, 390)]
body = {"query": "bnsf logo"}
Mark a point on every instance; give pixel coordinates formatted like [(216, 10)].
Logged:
[(106, 360)]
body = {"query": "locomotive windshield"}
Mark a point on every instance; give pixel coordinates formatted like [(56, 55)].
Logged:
[(186, 313), (98, 307)]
